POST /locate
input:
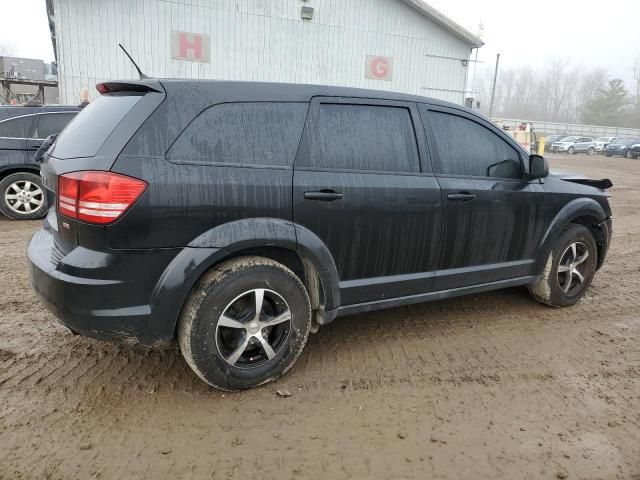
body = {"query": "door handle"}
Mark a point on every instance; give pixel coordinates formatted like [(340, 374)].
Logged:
[(461, 197), (35, 144), (323, 196)]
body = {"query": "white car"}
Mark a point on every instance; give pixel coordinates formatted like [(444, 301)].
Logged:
[(602, 142)]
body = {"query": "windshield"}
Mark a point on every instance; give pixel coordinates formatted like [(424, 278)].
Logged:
[(602, 139), (569, 139), (86, 133)]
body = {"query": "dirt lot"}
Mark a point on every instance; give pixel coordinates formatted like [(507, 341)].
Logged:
[(492, 385)]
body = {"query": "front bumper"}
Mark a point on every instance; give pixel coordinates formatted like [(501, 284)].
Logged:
[(106, 296), (606, 228)]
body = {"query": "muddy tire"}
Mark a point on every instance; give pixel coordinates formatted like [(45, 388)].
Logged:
[(22, 196), (245, 323), (569, 269)]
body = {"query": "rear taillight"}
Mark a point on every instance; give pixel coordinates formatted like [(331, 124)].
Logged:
[(97, 197)]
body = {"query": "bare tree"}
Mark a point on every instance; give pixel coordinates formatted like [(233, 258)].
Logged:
[(636, 77), (8, 49)]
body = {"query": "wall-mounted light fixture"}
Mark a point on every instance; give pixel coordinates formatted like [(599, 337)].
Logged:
[(306, 13)]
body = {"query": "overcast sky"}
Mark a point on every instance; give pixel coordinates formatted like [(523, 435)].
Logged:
[(603, 34)]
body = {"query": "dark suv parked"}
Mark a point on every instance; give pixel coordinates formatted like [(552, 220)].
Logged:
[(21, 193), (234, 218)]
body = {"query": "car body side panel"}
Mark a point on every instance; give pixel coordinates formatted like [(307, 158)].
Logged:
[(185, 201), (13, 152)]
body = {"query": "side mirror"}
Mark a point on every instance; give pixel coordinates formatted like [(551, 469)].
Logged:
[(538, 166)]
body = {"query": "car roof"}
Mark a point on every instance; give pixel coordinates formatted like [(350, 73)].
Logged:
[(2, 120), (10, 111), (298, 92)]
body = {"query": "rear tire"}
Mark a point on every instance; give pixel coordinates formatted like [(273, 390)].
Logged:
[(22, 196), (222, 338), (569, 270)]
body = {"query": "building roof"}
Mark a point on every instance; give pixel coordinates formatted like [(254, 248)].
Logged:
[(444, 21)]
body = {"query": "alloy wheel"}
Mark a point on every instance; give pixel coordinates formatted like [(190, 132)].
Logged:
[(24, 197), (253, 328), (571, 268)]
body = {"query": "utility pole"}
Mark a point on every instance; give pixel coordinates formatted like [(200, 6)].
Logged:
[(493, 89)]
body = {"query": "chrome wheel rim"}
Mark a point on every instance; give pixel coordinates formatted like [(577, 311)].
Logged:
[(572, 266), (24, 197), (253, 328)]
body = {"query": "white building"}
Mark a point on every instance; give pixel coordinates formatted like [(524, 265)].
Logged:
[(399, 45)]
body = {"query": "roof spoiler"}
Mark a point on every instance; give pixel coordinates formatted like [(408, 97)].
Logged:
[(128, 86)]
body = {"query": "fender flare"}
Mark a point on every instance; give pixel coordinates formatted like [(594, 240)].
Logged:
[(17, 168), (579, 207), (221, 242)]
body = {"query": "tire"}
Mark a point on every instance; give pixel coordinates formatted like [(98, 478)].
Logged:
[(591, 151), (627, 154), (548, 288), (570, 151), (22, 196), (218, 320)]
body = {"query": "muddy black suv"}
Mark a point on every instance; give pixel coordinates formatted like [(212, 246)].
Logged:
[(234, 218)]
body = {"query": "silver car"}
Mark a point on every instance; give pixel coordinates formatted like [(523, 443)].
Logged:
[(574, 144), (602, 142)]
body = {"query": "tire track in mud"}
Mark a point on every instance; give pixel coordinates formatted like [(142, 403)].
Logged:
[(479, 386)]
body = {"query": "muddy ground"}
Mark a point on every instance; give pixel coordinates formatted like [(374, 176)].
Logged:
[(491, 385)]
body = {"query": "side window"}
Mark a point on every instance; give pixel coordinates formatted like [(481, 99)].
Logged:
[(19, 127), (50, 123), (242, 133), (467, 148), (362, 137)]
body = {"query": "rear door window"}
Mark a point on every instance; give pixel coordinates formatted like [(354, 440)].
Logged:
[(466, 148), (51, 123), (86, 133), (243, 133), (18, 127), (362, 137)]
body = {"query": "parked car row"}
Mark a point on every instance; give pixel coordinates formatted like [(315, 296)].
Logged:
[(21, 192), (609, 146), (623, 148)]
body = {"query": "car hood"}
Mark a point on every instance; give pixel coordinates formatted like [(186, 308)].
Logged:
[(602, 184)]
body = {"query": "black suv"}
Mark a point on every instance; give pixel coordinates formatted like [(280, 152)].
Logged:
[(21, 194), (234, 218)]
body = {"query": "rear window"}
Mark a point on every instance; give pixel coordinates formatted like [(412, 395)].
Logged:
[(262, 133), (19, 127), (362, 137), (84, 136)]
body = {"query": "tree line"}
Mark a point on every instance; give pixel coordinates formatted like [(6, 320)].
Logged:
[(561, 92)]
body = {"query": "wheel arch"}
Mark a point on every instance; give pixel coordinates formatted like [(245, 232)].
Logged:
[(8, 170), (292, 245), (583, 211)]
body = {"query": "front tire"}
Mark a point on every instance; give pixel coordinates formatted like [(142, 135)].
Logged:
[(245, 324), (591, 151), (570, 151), (569, 269), (22, 196)]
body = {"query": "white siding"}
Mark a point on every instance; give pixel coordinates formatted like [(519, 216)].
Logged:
[(264, 40)]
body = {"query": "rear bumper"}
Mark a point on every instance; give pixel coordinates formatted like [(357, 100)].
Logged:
[(106, 296)]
